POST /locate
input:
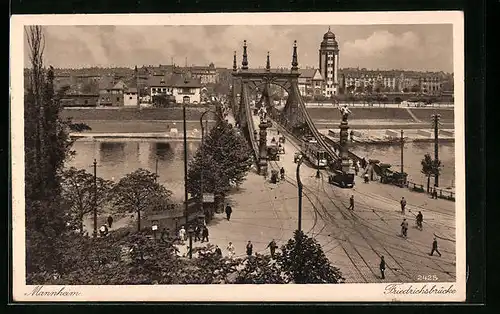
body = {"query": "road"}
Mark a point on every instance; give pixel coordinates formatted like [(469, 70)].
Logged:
[(352, 240)]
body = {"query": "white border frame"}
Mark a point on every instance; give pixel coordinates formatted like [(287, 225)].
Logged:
[(242, 293)]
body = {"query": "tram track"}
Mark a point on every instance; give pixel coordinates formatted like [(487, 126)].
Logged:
[(367, 228)]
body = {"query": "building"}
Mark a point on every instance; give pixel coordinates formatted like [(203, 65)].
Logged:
[(311, 83), (329, 63), (130, 97), (186, 90), (111, 95), (80, 100), (157, 85), (206, 75)]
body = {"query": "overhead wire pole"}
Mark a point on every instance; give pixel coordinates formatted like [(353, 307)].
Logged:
[(95, 199), (202, 156), (186, 215), (436, 118), (402, 148)]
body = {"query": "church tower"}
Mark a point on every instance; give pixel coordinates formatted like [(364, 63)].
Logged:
[(329, 63)]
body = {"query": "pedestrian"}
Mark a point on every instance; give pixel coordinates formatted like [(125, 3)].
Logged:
[(204, 234), (182, 234), (218, 251), (103, 231), (356, 168), (163, 234), (249, 248), (272, 247), (382, 267), (435, 247), (420, 219), (197, 232), (351, 203), (403, 205), (367, 178), (404, 228), (230, 249), (229, 210), (282, 173), (110, 221), (434, 193)]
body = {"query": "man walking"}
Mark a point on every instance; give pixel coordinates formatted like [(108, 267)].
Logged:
[(420, 219), (249, 248), (403, 205), (435, 247), (229, 210), (272, 247), (351, 203), (204, 234), (230, 249), (110, 221), (182, 234), (197, 232), (382, 267), (404, 228)]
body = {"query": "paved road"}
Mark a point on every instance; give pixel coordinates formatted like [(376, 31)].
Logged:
[(352, 240)]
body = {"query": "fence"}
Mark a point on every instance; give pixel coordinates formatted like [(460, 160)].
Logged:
[(441, 193)]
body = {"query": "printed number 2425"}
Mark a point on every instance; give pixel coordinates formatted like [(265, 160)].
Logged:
[(427, 277)]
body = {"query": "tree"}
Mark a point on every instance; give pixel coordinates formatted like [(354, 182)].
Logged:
[(405, 90), (303, 260), (138, 191), (369, 88), (415, 88), (47, 145), (227, 158), (430, 167), (78, 191)]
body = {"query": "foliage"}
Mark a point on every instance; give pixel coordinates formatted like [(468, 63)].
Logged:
[(303, 260), (78, 191), (224, 157), (430, 167), (261, 269), (47, 145), (138, 191)]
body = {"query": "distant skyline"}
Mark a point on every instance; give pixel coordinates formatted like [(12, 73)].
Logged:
[(422, 47)]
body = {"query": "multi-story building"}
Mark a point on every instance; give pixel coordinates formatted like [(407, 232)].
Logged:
[(111, 95), (311, 83), (329, 63), (182, 88), (206, 74), (130, 97)]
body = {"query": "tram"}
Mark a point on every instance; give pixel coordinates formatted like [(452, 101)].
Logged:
[(313, 152)]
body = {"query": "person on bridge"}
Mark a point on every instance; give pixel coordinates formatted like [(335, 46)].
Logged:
[(420, 219), (272, 247), (404, 228), (351, 203), (403, 205), (182, 234), (197, 233), (249, 248), (229, 210), (282, 173), (435, 247), (382, 267)]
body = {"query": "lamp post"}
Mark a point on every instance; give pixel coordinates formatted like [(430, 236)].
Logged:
[(190, 233), (299, 187)]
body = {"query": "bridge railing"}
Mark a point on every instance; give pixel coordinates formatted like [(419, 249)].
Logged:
[(250, 125), (441, 193)]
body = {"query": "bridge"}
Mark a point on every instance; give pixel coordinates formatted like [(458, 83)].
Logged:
[(292, 117)]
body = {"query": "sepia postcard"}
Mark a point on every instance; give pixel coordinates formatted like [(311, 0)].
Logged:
[(260, 157)]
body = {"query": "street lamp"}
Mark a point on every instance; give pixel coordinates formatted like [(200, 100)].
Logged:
[(299, 187), (190, 233)]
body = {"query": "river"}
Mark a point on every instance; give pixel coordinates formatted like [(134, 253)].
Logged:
[(116, 158)]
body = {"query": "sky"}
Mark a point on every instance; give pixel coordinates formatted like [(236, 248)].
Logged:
[(423, 47)]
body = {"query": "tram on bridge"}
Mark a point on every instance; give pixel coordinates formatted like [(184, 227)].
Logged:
[(314, 153)]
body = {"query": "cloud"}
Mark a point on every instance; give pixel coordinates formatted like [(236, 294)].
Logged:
[(381, 42)]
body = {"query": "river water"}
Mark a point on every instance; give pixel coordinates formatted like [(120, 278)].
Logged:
[(116, 158)]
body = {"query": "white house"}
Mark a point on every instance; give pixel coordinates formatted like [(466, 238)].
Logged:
[(130, 97), (186, 90)]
